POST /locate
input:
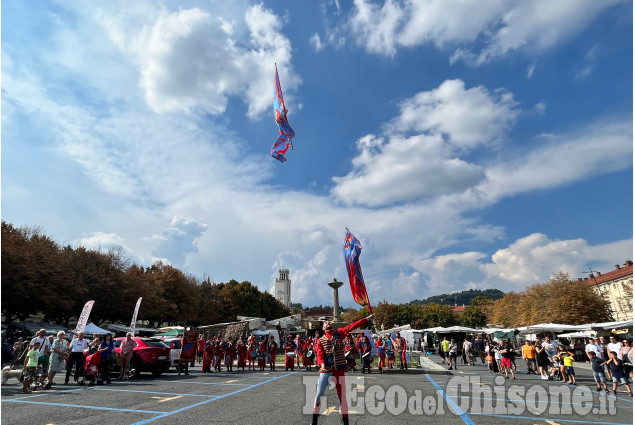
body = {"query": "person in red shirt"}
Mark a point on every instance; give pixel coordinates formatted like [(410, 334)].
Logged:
[(332, 363), (200, 348), (289, 353), (241, 353), (230, 350), (262, 355), (208, 355), (252, 352), (272, 350), (308, 354), (219, 354)]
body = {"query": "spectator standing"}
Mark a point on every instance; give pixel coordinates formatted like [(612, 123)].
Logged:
[(30, 366), (108, 356), (452, 349), (445, 350), (480, 348), (598, 371), (618, 373), (605, 355), (57, 361), (614, 345), (627, 357), (529, 356), (506, 351), (127, 345), (542, 360), (467, 351), (45, 347), (76, 358)]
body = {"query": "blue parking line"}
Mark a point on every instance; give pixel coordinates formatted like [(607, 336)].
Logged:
[(165, 414), (542, 418), (466, 419), (83, 407)]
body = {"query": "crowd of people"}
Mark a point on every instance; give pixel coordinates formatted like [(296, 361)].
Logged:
[(610, 359), (42, 357), (216, 352)]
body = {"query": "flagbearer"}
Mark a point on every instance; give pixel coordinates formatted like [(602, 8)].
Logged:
[(332, 363)]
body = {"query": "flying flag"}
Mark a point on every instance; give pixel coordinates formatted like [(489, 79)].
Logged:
[(133, 323), (83, 318), (352, 250), (287, 134)]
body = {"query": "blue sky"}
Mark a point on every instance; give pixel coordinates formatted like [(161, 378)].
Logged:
[(467, 145)]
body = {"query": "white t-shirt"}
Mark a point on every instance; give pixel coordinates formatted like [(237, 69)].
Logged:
[(467, 345), (550, 348), (44, 342), (595, 348), (78, 346), (617, 347)]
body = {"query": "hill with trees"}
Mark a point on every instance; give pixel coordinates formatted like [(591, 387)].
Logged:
[(461, 298)]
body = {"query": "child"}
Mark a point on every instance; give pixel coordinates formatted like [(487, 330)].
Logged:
[(30, 367), (598, 371), (618, 372), (567, 359), (490, 361), (555, 367)]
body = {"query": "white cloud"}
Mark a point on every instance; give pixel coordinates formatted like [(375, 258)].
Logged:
[(535, 258), (531, 27), (449, 120), (540, 107), (192, 60), (316, 42)]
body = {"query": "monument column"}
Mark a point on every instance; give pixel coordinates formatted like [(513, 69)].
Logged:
[(336, 299)]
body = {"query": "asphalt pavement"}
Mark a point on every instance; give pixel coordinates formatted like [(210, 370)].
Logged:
[(469, 395)]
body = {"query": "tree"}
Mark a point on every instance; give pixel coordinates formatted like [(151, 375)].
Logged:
[(473, 317), (434, 315)]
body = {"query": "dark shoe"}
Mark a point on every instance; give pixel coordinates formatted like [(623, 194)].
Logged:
[(314, 420)]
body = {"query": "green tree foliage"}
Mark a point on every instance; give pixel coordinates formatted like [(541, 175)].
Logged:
[(39, 276), (559, 300), (473, 317), (438, 315)]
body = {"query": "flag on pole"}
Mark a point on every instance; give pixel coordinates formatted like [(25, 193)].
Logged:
[(83, 318), (281, 145), (133, 323), (352, 250)]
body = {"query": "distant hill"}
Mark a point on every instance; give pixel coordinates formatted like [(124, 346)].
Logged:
[(460, 298)]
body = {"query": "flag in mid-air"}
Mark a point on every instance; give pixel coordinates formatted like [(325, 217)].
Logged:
[(352, 250), (281, 145)]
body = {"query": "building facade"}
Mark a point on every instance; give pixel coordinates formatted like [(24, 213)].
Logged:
[(616, 287), (283, 288)]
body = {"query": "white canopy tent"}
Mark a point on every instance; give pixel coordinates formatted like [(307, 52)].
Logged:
[(92, 329), (586, 334), (552, 327), (611, 325)]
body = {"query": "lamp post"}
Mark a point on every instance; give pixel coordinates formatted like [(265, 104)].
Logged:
[(336, 299)]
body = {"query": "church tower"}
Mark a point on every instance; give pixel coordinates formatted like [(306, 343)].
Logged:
[(283, 288)]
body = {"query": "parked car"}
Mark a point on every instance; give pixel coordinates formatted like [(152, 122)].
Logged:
[(175, 351), (150, 355)]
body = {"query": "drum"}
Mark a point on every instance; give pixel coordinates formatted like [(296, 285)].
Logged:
[(291, 354), (310, 354), (390, 354), (367, 358), (253, 354), (349, 356)]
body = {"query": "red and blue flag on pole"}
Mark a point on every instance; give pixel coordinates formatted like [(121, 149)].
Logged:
[(287, 134), (352, 250)]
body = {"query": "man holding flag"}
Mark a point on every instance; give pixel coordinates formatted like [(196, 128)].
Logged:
[(332, 363)]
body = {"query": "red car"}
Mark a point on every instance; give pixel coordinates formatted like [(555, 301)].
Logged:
[(150, 355)]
